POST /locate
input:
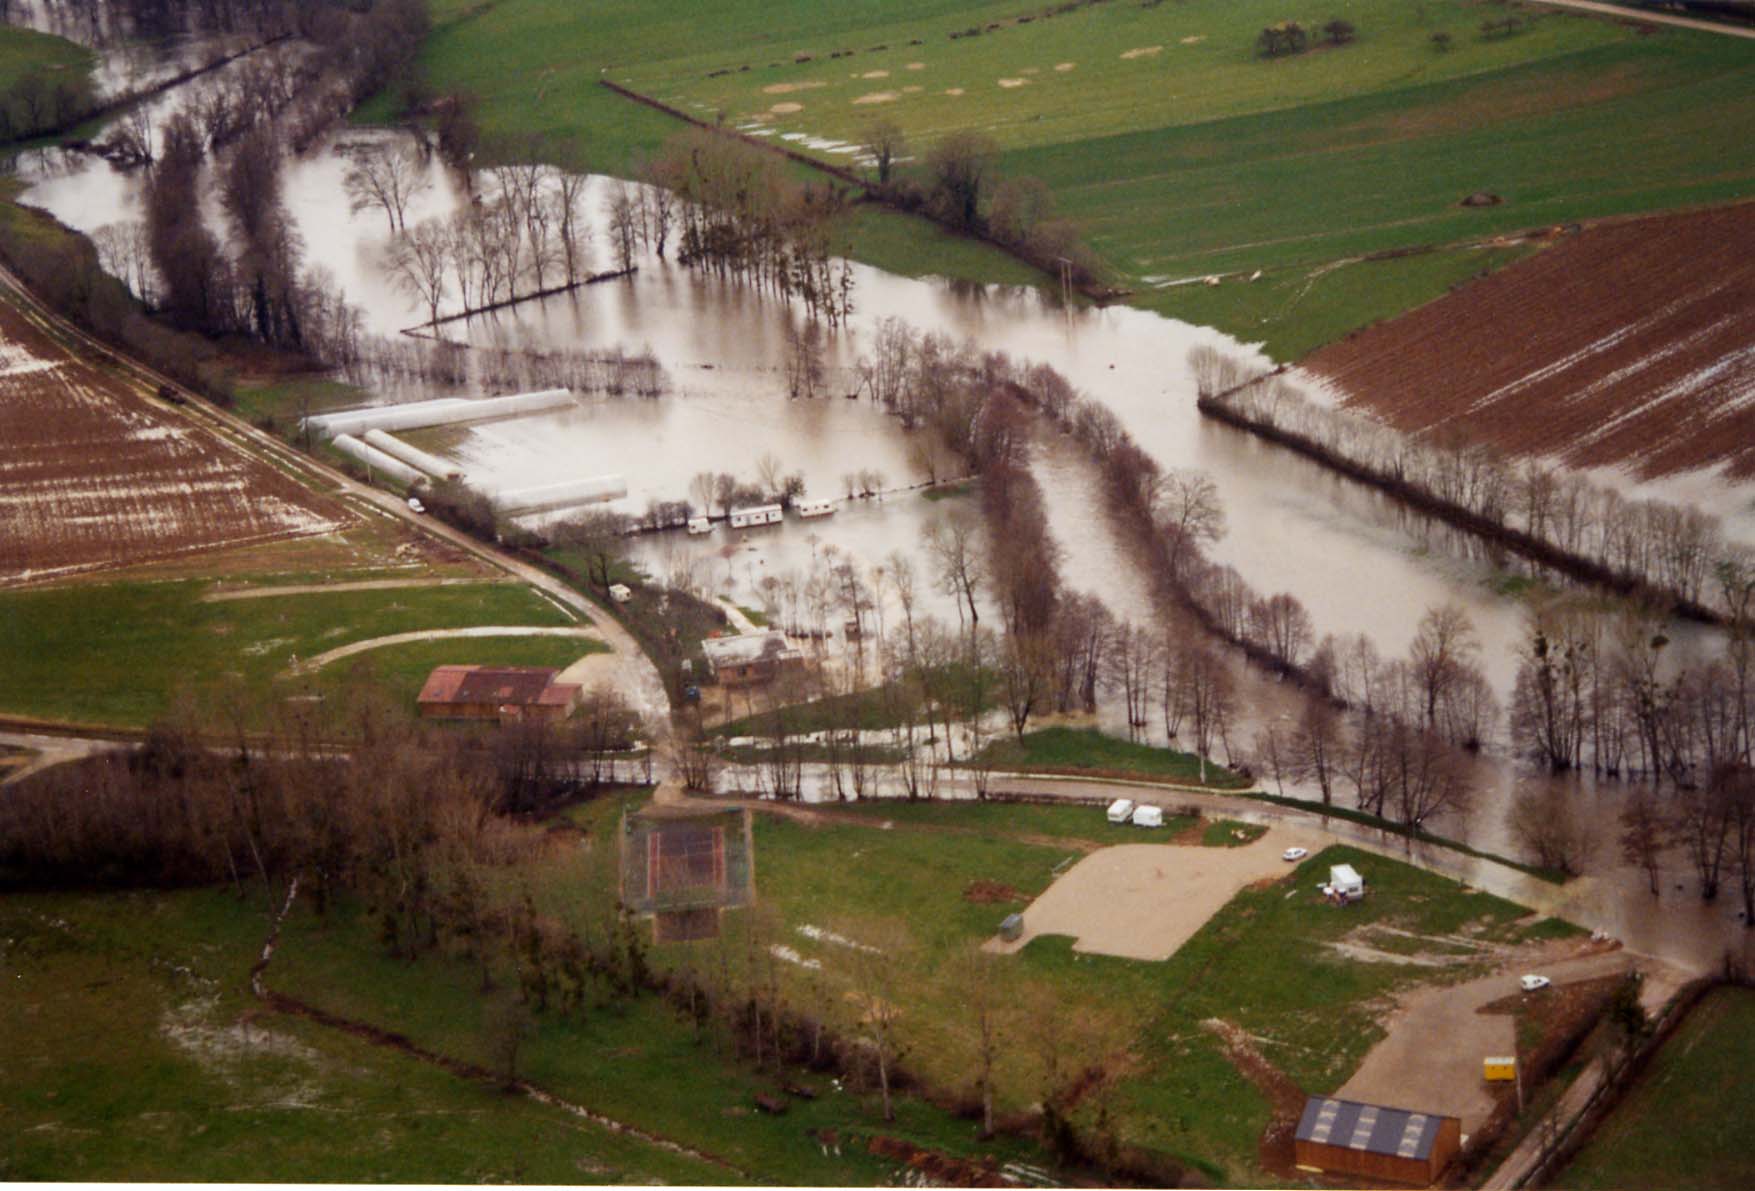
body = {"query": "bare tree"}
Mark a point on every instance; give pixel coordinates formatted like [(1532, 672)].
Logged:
[(1187, 508), (1444, 645), (1644, 835), (959, 165), (951, 541), (879, 969), (420, 261), (883, 142), (388, 177)]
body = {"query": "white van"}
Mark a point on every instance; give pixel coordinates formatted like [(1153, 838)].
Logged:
[(1148, 816), (700, 525), (1121, 810)]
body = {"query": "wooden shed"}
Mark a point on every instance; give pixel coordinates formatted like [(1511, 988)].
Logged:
[(1394, 1145)]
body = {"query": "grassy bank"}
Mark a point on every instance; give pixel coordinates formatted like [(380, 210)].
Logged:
[(118, 653), (1086, 752), (1682, 1125)]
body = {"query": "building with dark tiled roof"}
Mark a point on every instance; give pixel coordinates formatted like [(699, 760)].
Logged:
[(1346, 1137)]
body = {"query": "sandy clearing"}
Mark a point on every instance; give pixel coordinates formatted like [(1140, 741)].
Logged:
[(1008, 83), (1063, 67), (1144, 51), (786, 109), (875, 74), (879, 97), (1431, 1058), (1195, 40), (954, 91), (915, 66), (592, 671), (1143, 901), (219, 596), (345, 651), (789, 88)]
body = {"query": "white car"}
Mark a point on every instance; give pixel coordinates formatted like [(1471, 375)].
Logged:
[(1534, 983), (415, 504), (1294, 854)]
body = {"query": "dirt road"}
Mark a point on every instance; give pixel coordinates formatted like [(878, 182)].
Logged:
[(1438, 1036), (489, 630)]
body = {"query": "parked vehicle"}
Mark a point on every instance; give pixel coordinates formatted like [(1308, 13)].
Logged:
[(1121, 810)]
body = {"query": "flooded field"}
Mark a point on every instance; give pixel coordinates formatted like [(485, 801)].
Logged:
[(1357, 562)]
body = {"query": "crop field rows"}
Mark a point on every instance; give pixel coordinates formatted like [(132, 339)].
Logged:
[(1629, 344), (96, 474)]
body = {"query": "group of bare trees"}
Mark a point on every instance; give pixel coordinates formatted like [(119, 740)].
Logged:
[(736, 214), (376, 359), (176, 264), (526, 237), (1667, 551)]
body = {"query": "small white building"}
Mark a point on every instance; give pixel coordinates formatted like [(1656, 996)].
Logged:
[(700, 525), (619, 593), (821, 507), (1345, 882), (1148, 816), (751, 515), (1121, 810)]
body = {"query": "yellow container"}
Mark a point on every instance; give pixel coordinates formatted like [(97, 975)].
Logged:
[(1499, 1069)]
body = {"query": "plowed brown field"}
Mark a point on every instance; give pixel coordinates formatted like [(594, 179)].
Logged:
[(1629, 344), (94, 473)]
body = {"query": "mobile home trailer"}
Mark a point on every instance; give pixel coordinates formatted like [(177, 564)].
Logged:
[(751, 515)]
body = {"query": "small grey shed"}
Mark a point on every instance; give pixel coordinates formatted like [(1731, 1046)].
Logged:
[(1011, 928)]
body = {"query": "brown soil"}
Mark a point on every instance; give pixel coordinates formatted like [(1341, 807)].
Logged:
[(98, 474), (1274, 1153), (990, 893), (1629, 343), (933, 1169)]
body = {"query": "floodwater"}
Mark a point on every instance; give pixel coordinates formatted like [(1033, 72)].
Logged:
[(1357, 562)]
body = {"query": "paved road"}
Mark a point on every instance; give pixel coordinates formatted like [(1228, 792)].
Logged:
[(1653, 18)]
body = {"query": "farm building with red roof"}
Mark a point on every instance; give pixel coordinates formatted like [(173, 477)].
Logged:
[(509, 694)]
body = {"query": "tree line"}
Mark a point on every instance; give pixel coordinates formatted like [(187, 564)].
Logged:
[(1653, 549)]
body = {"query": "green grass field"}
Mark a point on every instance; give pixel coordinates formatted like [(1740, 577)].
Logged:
[(1180, 152), (134, 1052), (1086, 751), (138, 1052), (1259, 963), (118, 653), (1683, 1123), (25, 51)]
